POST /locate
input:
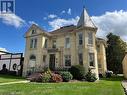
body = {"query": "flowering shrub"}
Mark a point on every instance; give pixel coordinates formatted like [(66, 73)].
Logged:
[(56, 78), (67, 76)]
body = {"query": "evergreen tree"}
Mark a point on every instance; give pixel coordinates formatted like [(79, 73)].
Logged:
[(115, 53)]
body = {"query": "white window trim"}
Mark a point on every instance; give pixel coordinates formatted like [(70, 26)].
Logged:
[(67, 46), (80, 33), (68, 58), (90, 40), (33, 46)]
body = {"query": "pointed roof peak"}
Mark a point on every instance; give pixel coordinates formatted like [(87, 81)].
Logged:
[(85, 19)]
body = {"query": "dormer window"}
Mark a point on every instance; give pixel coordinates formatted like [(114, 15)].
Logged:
[(33, 31)]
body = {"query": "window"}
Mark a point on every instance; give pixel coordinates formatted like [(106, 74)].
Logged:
[(80, 58), (80, 38), (44, 58), (67, 60), (32, 62), (33, 57), (99, 65), (54, 44), (67, 43), (46, 43), (33, 43), (33, 31), (98, 48), (90, 38), (91, 59)]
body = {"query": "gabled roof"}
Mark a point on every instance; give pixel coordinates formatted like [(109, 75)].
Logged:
[(64, 29), (85, 20), (36, 26)]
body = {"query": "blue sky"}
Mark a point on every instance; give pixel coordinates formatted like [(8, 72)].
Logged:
[(108, 15)]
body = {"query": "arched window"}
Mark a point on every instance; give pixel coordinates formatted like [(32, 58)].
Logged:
[(33, 31), (33, 57)]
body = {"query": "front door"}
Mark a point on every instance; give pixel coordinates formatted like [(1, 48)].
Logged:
[(52, 62)]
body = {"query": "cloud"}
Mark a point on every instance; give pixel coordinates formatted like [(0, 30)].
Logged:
[(3, 49), (52, 16), (69, 11), (63, 12), (115, 22), (12, 19), (32, 22), (59, 22), (44, 18)]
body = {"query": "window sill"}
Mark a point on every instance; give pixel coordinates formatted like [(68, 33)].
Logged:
[(91, 67), (67, 66), (33, 48), (90, 45)]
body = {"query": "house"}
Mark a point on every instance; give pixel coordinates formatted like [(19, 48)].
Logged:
[(11, 63), (3, 52), (64, 47), (124, 63)]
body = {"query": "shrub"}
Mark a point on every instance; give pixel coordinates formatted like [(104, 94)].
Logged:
[(56, 78), (67, 76), (90, 77), (61, 69), (78, 72), (35, 77), (109, 74), (100, 75), (46, 77)]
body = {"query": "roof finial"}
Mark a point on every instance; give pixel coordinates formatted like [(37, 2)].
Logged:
[(83, 4)]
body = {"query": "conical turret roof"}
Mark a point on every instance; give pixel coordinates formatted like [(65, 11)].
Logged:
[(85, 20)]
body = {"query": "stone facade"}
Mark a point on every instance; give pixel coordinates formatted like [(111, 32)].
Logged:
[(64, 47)]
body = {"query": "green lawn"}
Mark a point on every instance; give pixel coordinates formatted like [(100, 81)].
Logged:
[(103, 87), (7, 78)]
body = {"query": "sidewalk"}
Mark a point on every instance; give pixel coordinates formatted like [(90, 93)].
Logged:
[(124, 84), (26, 81)]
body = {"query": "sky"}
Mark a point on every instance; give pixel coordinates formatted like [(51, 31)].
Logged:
[(108, 16)]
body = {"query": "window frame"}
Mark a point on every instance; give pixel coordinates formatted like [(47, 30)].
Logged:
[(33, 31), (33, 43), (67, 42), (98, 48), (46, 43), (67, 58), (54, 43), (44, 58), (80, 57), (80, 38), (92, 59), (90, 38)]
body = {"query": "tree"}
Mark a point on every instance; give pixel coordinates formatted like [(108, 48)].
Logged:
[(115, 53)]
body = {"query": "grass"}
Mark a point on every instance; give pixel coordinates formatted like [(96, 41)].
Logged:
[(8, 78), (110, 86)]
